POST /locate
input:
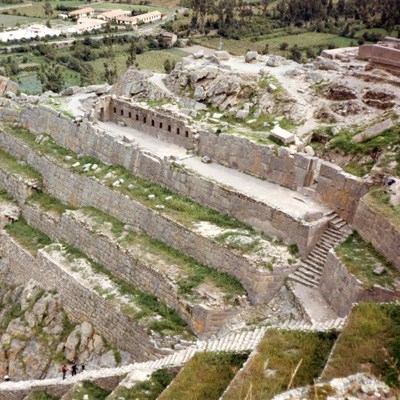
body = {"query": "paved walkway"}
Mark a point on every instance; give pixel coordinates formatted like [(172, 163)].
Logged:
[(290, 202), (246, 340)]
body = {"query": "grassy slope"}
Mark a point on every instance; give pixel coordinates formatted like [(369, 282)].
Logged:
[(303, 40), (370, 342), (360, 258), (269, 371), (146, 390), (204, 377), (79, 390)]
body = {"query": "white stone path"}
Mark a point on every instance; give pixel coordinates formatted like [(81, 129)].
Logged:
[(246, 340)]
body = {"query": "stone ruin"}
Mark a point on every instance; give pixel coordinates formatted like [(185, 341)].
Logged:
[(276, 197)]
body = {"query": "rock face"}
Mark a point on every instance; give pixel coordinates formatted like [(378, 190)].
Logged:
[(138, 85), (7, 86), (210, 83), (36, 336)]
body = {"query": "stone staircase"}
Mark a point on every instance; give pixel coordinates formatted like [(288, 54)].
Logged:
[(236, 341), (310, 272)]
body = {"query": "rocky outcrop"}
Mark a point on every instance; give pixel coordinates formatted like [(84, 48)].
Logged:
[(36, 336), (211, 83), (359, 386), (138, 85), (7, 87)]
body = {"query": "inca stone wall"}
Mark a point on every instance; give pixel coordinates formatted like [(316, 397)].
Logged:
[(339, 288), (154, 123), (203, 320), (15, 185), (339, 190), (80, 303), (376, 228), (79, 190), (104, 146), (59, 389)]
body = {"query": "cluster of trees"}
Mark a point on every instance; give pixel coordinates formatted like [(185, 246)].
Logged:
[(382, 13), (234, 16)]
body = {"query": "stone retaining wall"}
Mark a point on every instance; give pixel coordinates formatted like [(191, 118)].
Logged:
[(339, 288), (78, 190), (339, 190), (154, 123), (376, 228), (106, 147), (203, 320), (80, 303), (58, 390), (15, 185)]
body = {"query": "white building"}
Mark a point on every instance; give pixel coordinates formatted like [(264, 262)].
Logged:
[(33, 31), (112, 15), (148, 17), (86, 25), (82, 13)]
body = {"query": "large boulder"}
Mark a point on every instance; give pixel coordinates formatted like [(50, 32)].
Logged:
[(251, 56), (7, 86)]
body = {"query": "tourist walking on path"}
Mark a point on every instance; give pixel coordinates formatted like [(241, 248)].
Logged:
[(74, 368), (64, 370)]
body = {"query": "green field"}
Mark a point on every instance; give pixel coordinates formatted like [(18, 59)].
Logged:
[(8, 21), (118, 6), (303, 40)]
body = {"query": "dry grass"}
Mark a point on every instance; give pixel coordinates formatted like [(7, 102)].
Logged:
[(372, 330), (270, 371)]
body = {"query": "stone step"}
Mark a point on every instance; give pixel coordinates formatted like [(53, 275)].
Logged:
[(308, 273), (312, 267), (317, 258), (320, 251), (303, 280)]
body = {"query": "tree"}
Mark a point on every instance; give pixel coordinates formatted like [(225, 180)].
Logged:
[(131, 60), (110, 72), (51, 77), (167, 66), (295, 53), (87, 75), (48, 9), (201, 8), (265, 4)]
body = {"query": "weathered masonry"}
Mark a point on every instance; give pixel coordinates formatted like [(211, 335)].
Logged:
[(153, 123)]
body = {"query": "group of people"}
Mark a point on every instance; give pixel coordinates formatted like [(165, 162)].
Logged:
[(74, 369)]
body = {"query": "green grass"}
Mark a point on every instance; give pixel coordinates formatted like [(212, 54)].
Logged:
[(49, 203), (205, 376), (129, 7), (147, 390), (6, 197), (170, 322), (14, 166), (280, 353), (343, 141), (79, 390), (360, 258), (370, 343), (194, 272), (9, 21), (180, 208), (30, 238), (302, 40), (357, 168), (378, 199), (40, 395)]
